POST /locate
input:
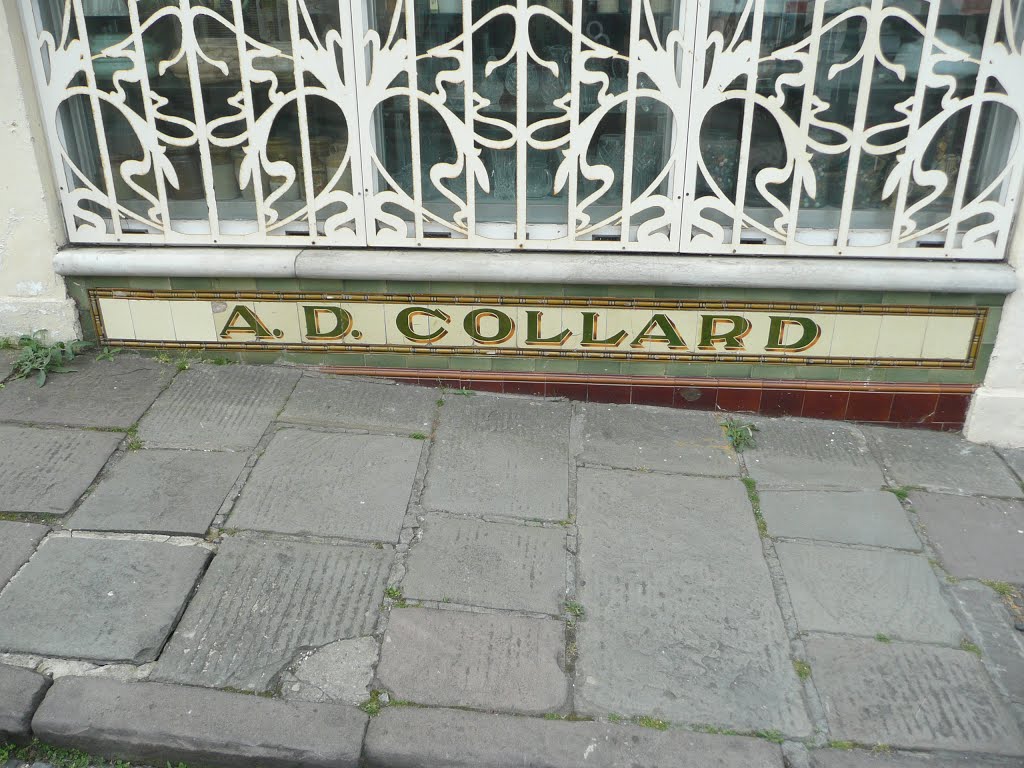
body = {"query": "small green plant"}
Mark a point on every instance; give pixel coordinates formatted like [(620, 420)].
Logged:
[(553, 716), (967, 645), (183, 363), (393, 593), (165, 358), (755, 503), (1001, 588), (108, 354), (844, 745), (803, 669), (883, 638), (41, 358), (614, 718), (575, 609), (901, 492), (775, 737), (372, 705), (740, 434), (418, 436), (716, 730), (6, 343), (440, 401), (651, 722)]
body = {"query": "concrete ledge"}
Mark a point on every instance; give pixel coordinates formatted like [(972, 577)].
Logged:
[(58, 317), (21, 690), (553, 267), (158, 724), (996, 417), (411, 737)]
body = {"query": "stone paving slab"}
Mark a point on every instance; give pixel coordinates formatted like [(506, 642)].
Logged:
[(330, 484), (500, 456), (17, 543), (860, 758), (7, 358), (409, 737), (494, 565), (262, 601), (681, 617), (452, 658), (641, 437), (167, 724), (21, 690), (44, 471), (341, 671), (910, 696), (847, 517), (98, 599), (866, 592), (1015, 458), (218, 407), (939, 461), (100, 393), (340, 401), (974, 537), (801, 454), (991, 626), (158, 491)]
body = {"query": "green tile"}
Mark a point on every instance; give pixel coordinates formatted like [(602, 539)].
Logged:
[(955, 376), (344, 359), (891, 298), (680, 292), (283, 284), (729, 370), (543, 290), (859, 297), (261, 357), (995, 316), (514, 364), (686, 369), (557, 364), (454, 289), (632, 291), (599, 366), (989, 299), (234, 284), (497, 289), (585, 291), (714, 293), (472, 363), (781, 371), (191, 284), (365, 286), (643, 367), (385, 360), (953, 299), (407, 286), (427, 361), (906, 374)]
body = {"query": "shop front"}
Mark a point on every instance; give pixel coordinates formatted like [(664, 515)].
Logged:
[(783, 206)]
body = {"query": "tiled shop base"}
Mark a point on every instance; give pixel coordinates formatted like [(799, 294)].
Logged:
[(932, 406)]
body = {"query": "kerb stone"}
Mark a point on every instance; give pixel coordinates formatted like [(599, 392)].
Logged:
[(160, 724), (98, 599), (458, 659), (17, 543), (500, 456), (21, 690), (681, 618), (343, 402), (437, 738), (44, 471), (493, 565), (866, 592), (910, 696)]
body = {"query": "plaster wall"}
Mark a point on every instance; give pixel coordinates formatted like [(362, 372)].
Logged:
[(32, 295)]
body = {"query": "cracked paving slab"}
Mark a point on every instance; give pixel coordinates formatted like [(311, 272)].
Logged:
[(684, 624), (17, 543)]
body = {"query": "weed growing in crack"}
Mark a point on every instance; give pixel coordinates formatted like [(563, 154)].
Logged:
[(651, 722), (883, 638), (418, 436), (967, 645), (373, 705), (108, 354), (740, 434), (775, 737), (1001, 588), (39, 358), (575, 609), (803, 669), (755, 503)]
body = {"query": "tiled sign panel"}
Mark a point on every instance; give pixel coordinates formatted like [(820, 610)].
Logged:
[(708, 331)]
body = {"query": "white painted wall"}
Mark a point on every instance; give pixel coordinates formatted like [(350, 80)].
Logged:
[(32, 295), (997, 409)]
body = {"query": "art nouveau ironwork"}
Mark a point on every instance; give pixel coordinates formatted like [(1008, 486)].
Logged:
[(803, 127)]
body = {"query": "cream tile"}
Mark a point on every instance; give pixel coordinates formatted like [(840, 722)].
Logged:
[(753, 341), (193, 321), (551, 324), (152, 319), (856, 335), (762, 327), (901, 336), (457, 334), (368, 322), (282, 319), (117, 319), (422, 324), (948, 338)]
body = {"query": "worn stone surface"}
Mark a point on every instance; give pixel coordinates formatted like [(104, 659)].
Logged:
[(1015, 458), (218, 406), (408, 737), (330, 484), (939, 461), (98, 599), (501, 456), (45, 470), (489, 564), (344, 402), (339, 671), (799, 454), (100, 393), (681, 618), (866, 592), (911, 696), (990, 625), (160, 724), (847, 517), (156, 491), (262, 601), (975, 538), (17, 543), (636, 436), (21, 690), (487, 661), (862, 758)]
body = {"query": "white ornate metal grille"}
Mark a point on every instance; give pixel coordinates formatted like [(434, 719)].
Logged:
[(803, 127)]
